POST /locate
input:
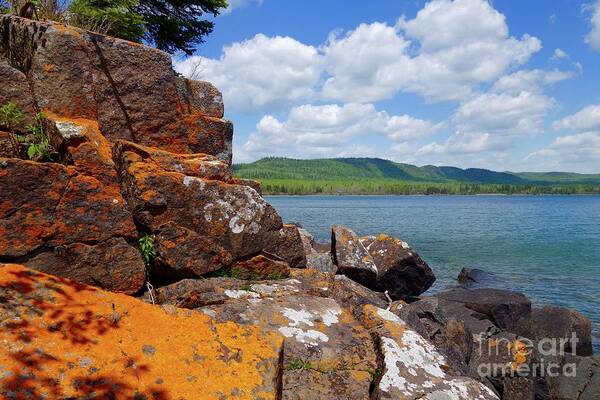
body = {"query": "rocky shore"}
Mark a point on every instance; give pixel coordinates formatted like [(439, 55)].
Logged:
[(135, 266)]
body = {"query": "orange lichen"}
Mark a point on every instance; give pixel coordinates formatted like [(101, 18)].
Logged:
[(61, 339)]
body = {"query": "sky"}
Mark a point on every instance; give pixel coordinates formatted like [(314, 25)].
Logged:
[(503, 84)]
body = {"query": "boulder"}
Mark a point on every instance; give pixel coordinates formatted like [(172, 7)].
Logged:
[(471, 276), (260, 267), (564, 327), (578, 378), (233, 217), (321, 262), (63, 340), (288, 246), (80, 74), (196, 293), (412, 367), (69, 224), (319, 336), (248, 182), (309, 384), (18, 92), (351, 257), (505, 308), (400, 270)]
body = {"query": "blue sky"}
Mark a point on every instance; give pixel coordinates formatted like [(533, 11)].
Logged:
[(506, 85)]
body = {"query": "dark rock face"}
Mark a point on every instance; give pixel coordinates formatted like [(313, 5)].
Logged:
[(582, 382), (400, 270), (351, 257), (562, 324), (503, 307), (289, 247)]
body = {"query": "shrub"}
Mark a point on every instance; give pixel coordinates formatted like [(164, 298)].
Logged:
[(11, 116), (38, 143)]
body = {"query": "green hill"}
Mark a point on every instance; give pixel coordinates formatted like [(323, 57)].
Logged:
[(378, 176)]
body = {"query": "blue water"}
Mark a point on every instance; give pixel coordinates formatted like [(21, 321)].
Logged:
[(547, 247)]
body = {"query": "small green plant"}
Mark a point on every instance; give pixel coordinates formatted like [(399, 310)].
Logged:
[(247, 287), (38, 142), (146, 246), (274, 276), (11, 117), (300, 364)]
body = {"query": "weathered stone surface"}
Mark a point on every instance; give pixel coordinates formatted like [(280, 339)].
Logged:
[(353, 296), (504, 308), (580, 379), (289, 247), (80, 74), (413, 368), (260, 267), (113, 265), (195, 293), (400, 270), (183, 253), (351, 257), (248, 182), (234, 217), (49, 205), (518, 388), (318, 332), (18, 92), (308, 384), (200, 97), (59, 340), (563, 325), (321, 262), (198, 165)]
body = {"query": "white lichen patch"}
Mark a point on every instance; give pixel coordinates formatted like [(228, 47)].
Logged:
[(330, 316), (309, 337), (389, 316), (235, 225), (238, 294), (392, 378), (298, 317), (189, 180)]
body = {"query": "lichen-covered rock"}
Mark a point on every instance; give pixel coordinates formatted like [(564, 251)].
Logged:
[(321, 262), (320, 335), (18, 91), (400, 270), (261, 266), (60, 340), (288, 246), (412, 367), (351, 257), (234, 217), (309, 384), (353, 296), (80, 74), (251, 183)]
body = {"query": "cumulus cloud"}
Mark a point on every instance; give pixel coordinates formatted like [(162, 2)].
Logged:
[(579, 151), (259, 72), (235, 4), (328, 130), (593, 37)]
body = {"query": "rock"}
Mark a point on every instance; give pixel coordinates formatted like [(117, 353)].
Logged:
[(59, 339), (199, 97), (260, 267), (518, 388), (321, 262), (504, 308), (18, 92), (578, 378), (353, 296), (320, 336), (400, 269), (183, 253), (469, 276), (351, 257), (412, 367), (113, 265), (80, 74), (248, 182), (568, 328), (289, 247), (308, 384), (234, 217), (196, 293)]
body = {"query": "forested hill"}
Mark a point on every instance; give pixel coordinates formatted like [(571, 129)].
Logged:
[(375, 175)]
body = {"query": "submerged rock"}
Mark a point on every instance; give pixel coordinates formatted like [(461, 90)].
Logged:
[(470, 276)]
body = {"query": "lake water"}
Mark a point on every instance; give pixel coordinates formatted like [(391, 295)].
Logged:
[(547, 247)]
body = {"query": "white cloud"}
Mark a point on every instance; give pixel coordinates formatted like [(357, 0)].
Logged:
[(593, 37), (587, 119), (259, 72), (559, 54), (579, 151), (329, 130), (529, 80)]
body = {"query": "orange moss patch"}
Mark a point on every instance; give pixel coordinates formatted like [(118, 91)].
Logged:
[(60, 339)]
